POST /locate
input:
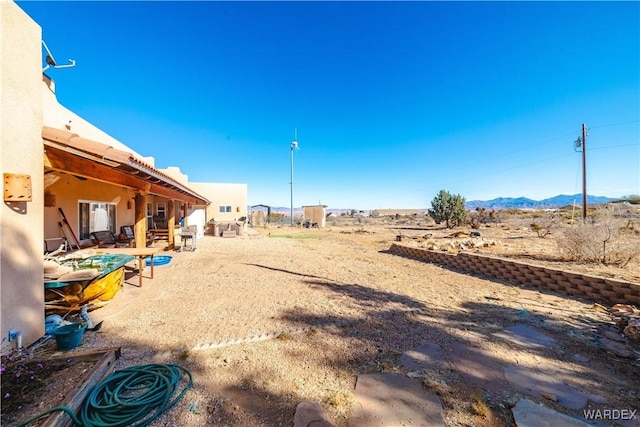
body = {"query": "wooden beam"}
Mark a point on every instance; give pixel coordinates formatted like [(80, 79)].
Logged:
[(100, 371), (67, 162)]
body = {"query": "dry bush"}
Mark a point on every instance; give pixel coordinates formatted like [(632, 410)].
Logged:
[(602, 239), (484, 216), (544, 225)]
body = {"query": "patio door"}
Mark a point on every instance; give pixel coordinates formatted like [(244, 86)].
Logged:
[(96, 216)]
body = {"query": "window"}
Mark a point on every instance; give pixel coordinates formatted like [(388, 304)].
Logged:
[(96, 216), (149, 216), (225, 208), (161, 210)]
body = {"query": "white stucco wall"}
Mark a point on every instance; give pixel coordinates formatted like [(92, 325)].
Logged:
[(21, 223)]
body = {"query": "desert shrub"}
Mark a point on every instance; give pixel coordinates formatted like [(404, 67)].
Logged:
[(448, 208), (483, 216), (543, 226), (599, 240)]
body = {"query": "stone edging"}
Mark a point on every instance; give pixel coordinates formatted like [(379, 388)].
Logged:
[(611, 291)]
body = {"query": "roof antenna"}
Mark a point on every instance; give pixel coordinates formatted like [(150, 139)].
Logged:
[(52, 62)]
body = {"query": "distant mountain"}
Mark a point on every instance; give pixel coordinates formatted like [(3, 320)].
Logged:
[(525, 203)]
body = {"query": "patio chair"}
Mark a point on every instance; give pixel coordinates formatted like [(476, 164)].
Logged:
[(106, 238), (127, 230)]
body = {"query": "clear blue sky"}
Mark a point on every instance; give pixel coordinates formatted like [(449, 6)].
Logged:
[(392, 101)]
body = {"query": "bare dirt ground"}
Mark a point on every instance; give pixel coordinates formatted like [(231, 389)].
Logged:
[(267, 321)]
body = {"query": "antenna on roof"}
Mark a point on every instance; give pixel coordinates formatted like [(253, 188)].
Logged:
[(51, 62)]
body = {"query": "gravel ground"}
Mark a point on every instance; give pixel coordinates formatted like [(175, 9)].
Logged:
[(267, 321)]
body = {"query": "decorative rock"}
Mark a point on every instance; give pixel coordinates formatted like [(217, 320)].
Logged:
[(422, 357), (538, 383), (394, 400), (632, 330), (613, 335), (529, 414), (616, 348), (580, 358), (526, 336), (310, 414)]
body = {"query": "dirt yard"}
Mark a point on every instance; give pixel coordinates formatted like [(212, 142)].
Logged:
[(269, 320)]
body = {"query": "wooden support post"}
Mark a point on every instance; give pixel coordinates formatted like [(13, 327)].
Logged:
[(140, 228), (171, 223), (185, 211)]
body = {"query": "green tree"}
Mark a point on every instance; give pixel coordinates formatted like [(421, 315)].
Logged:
[(448, 208)]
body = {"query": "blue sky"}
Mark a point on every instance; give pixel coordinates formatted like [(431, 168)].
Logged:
[(393, 101)]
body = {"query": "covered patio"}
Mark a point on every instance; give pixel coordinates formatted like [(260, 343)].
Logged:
[(96, 186)]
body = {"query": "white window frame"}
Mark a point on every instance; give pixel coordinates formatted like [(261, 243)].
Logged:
[(224, 208)]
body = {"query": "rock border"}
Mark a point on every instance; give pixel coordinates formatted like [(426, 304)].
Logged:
[(599, 289)]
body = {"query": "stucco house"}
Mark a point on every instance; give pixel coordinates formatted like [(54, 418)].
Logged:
[(58, 166)]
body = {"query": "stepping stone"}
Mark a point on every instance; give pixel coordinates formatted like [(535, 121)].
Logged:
[(545, 384), (385, 400), (427, 356), (310, 414), (529, 414), (617, 348), (479, 367), (526, 337)]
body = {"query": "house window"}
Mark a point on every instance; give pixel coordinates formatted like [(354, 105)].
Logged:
[(225, 208), (96, 216), (161, 210), (149, 216)]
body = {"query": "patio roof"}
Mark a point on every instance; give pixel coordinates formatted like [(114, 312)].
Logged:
[(68, 152)]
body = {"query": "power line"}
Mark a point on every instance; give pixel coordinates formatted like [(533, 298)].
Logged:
[(491, 173), (613, 146), (614, 124)]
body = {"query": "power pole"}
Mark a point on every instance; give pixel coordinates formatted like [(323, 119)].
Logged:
[(580, 145), (584, 172)]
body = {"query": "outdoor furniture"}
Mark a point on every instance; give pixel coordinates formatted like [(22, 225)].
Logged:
[(106, 238), (127, 230), (139, 253)]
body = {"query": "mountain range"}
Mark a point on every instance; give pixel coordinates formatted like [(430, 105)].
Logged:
[(498, 203), (525, 203)]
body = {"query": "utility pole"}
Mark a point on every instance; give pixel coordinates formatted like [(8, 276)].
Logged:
[(584, 172), (581, 145)]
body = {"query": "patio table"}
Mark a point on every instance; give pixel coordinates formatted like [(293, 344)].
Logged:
[(139, 253)]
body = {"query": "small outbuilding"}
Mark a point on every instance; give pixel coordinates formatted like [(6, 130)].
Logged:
[(315, 216)]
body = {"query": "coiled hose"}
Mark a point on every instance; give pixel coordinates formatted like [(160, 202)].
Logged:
[(134, 396)]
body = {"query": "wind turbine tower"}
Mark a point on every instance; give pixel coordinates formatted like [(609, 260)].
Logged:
[(294, 145)]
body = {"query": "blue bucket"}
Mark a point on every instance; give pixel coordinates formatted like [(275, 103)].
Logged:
[(158, 260), (70, 336)]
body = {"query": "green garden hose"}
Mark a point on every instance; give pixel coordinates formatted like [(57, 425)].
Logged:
[(134, 396)]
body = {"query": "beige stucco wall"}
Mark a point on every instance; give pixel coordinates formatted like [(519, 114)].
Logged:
[(21, 224), (225, 194), (68, 190)]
